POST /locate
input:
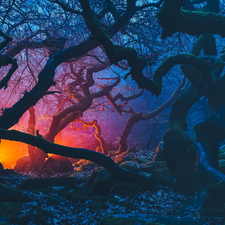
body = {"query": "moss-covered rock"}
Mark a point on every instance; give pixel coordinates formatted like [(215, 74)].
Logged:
[(74, 196), (152, 166), (222, 152), (43, 183), (160, 171), (130, 165), (163, 177), (15, 214), (104, 182), (11, 194), (221, 165), (148, 219), (208, 212), (141, 160), (126, 189), (81, 177), (53, 200)]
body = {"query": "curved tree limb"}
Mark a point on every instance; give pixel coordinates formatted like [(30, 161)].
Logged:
[(74, 112), (7, 39), (98, 135), (101, 159), (136, 117), (12, 115), (137, 64), (173, 19), (5, 62), (199, 82)]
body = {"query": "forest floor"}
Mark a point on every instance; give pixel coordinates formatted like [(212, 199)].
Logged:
[(74, 204)]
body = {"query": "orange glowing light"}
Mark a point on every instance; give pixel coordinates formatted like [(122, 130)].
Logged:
[(10, 151)]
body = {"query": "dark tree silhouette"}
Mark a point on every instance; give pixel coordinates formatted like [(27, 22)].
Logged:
[(186, 158)]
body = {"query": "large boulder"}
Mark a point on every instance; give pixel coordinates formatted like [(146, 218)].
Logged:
[(57, 164), (104, 182), (22, 164), (160, 172)]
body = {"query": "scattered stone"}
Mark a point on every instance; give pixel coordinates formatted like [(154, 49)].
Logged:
[(57, 164), (130, 165)]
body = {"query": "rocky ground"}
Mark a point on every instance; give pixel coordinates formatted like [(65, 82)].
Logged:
[(89, 195)]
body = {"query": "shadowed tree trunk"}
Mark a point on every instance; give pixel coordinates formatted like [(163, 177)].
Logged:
[(176, 141)]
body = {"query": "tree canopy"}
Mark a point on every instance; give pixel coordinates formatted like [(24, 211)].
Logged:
[(52, 50)]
